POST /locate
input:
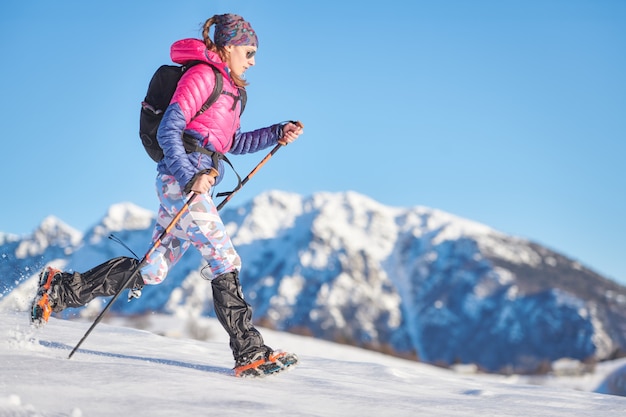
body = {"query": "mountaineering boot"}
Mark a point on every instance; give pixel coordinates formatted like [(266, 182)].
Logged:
[(47, 296), (264, 363)]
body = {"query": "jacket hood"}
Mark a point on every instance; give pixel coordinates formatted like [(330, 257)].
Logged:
[(186, 50)]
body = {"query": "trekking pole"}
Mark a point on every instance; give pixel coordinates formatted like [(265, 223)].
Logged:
[(157, 243), (255, 169), (154, 246)]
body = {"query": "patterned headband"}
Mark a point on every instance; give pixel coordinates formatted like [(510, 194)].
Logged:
[(231, 29)]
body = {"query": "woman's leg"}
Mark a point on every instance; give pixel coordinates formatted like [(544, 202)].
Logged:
[(59, 290), (203, 227), (107, 279), (104, 280)]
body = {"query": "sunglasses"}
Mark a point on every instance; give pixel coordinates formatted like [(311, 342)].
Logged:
[(250, 54)]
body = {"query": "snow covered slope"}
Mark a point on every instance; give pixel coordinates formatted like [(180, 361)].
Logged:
[(122, 371)]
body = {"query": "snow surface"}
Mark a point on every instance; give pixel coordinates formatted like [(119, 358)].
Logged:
[(124, 371)]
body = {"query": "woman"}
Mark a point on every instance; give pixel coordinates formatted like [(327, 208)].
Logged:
[(232, 51)]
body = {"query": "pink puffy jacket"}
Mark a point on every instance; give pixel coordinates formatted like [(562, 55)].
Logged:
[(220, 121), (217, 128)]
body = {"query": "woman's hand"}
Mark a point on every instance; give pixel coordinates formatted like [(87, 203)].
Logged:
[(204, 182), (291, 131)]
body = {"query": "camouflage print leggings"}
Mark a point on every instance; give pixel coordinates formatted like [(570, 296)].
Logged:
[(201, 226)]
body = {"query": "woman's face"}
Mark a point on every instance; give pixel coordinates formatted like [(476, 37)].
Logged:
[(240, 58)]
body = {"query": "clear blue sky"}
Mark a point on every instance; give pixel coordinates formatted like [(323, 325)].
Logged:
[(509, 113)]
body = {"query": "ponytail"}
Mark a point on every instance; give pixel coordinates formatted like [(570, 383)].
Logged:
[(223, 53)]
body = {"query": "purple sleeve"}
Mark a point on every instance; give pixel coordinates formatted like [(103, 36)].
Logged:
[(256, 140), (169, 134)]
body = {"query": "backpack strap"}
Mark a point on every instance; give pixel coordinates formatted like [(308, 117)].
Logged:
[(243, 97), (218, 90), (191, 145), (215, 94)]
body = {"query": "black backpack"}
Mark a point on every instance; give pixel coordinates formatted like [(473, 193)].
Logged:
[(160, 92)]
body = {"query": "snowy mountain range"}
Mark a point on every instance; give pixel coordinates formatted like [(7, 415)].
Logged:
[(413, 282)]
